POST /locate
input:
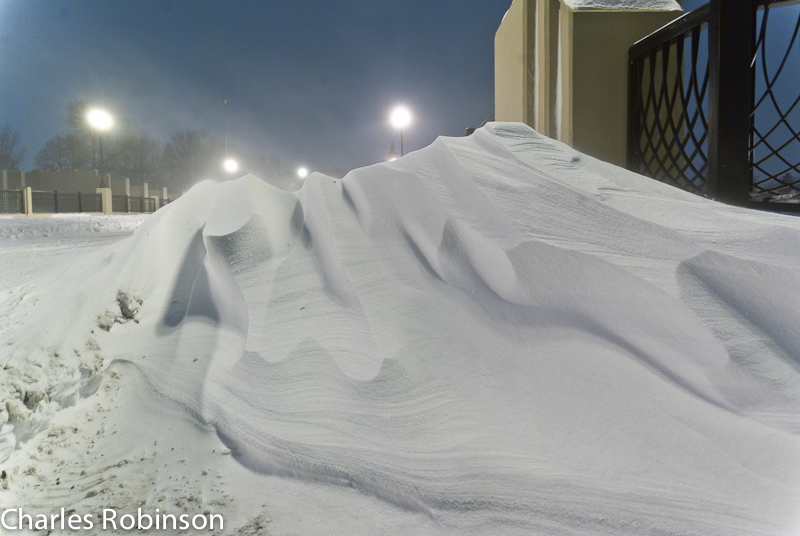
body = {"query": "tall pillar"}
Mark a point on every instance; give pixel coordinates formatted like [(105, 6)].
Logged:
[(105, 197), (27, 201)]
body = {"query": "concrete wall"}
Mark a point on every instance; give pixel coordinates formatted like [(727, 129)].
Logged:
[(63, 181)]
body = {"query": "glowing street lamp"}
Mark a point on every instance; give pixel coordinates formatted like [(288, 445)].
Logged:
[(302, 172), (100, 120), (230, 165), (400, 119)]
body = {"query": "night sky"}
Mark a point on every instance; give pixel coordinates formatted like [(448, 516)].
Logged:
[(309, 82)]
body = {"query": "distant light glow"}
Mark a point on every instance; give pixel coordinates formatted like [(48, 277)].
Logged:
[(230, 165), (99, 119), (400, 117), (302, 172)]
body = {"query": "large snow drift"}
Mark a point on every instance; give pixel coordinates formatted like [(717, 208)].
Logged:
[(494, 335)]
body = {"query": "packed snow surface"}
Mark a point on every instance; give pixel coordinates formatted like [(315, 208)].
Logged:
[(492, 335)]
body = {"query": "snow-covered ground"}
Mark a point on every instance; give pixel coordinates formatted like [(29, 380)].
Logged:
[(493, 335)]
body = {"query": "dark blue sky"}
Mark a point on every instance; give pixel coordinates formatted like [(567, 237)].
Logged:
[(307, 81)]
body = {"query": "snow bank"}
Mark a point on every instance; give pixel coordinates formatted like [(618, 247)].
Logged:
[(67, 225), (495, 332)]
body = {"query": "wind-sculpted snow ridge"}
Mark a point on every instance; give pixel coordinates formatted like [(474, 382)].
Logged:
[(496, 332)]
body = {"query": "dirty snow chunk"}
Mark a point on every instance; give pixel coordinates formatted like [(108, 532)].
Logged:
[(128, 308)]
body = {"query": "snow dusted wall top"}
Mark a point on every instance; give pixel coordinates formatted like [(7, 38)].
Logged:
[(623, 5)]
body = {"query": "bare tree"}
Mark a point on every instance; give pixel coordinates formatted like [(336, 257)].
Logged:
[(11, 150), (134, 154), (78, 152), (82, 134), (53, 156), (62, 153), (192, 155)]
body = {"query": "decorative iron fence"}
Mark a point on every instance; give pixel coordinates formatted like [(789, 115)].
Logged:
[(11, 202), (714, 105)]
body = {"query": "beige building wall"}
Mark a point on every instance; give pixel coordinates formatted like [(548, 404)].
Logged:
[(511, 56), (600, 43), (564, 71), (63, 181)]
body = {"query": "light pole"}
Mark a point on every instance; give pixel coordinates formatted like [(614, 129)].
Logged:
[(230, 165), (400, 119), (100, 120)]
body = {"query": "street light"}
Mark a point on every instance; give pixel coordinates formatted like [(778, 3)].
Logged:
[(230, 165), (100, 120), (302, 172), (400, 119)]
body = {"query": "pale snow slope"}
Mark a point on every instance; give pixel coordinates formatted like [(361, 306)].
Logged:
[(493, 335)]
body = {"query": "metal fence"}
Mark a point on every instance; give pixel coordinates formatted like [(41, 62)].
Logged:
[(11, 202), (52, 201), (119, 203), (79, 202), (122, 203), (44, 201), (57, 202), (714, 103)]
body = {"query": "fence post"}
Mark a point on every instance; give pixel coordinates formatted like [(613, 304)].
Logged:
[(731, 45), (55, 201), (80, 203), (632, 161), (105, 199), (27, 201), (5, 179)]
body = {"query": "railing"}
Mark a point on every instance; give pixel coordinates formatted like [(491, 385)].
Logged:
[(119, 203), (11, 202), (44, 201), (60, 202), (714, 103)]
